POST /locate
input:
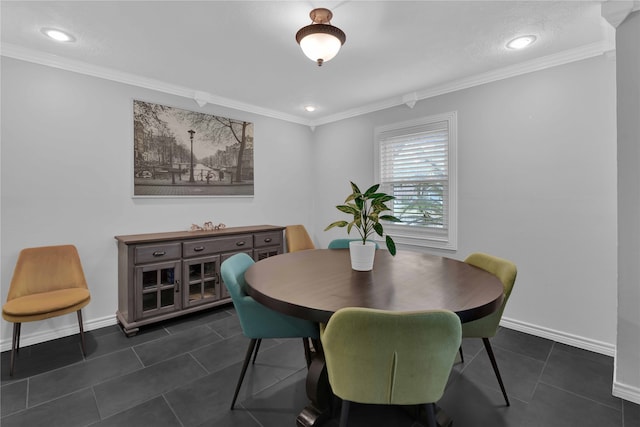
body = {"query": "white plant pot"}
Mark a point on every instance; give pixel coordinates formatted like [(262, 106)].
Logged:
[(362, 255)]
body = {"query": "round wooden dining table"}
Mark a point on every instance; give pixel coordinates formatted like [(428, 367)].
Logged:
[(314, 284)]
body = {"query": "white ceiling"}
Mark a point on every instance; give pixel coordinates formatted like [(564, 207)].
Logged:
[(243, 54)]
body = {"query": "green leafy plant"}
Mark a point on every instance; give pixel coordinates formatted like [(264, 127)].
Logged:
[(366, 209)]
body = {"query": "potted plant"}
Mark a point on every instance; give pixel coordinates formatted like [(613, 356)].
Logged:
[(367, 209)]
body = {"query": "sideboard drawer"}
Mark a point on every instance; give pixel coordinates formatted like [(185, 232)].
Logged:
[(150, 253), (210, 246), (261, 240)]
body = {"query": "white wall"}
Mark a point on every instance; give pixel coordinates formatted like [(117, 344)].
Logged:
[(537, 184), (67, 148), (627, 372)]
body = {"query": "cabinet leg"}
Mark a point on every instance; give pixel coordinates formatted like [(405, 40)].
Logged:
[(131, 332)]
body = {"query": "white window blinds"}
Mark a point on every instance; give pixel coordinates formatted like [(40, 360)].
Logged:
[(414, 165)]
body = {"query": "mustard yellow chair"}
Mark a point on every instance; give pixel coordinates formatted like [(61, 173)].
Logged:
[(487, 326), (297, 238), (390, 358), (47, 282)]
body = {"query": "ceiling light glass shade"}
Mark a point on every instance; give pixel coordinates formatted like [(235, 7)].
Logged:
[(521, 42), (320, 41)]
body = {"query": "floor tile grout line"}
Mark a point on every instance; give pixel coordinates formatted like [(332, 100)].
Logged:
[(540, 381), (47, 372), (494, 345), (26, 397), (164, 397), (251, 415), (195, 359), (28, 408), (95, 399), (185, 352), (578, 352), (544, 366), (583, 397)]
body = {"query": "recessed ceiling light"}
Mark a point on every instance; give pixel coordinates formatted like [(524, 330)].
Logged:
[(58, 35), (310, 108), (521, 42)]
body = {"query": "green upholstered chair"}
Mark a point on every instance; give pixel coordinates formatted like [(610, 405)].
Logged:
[(344, 243), (258, 321), (487, 326), (297, 238), (391, 358), (47, 281)]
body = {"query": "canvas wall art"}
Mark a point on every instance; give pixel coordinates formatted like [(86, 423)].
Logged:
[(181, 153)]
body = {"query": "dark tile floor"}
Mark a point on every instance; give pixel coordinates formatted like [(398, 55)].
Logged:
[(183, 373)]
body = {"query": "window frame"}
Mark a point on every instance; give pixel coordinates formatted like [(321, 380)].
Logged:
[(422, 236)]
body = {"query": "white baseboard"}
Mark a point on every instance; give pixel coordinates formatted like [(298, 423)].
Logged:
[(561, 337), (36, 338), (626, 392)]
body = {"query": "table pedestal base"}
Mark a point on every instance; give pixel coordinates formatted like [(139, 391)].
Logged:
[(319, 393)]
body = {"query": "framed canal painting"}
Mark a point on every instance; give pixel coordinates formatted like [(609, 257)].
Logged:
[(181, 153)]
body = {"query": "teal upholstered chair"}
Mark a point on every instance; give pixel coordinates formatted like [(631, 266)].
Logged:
[(344, 243), (487, 326), (258, 321), (392, 358)]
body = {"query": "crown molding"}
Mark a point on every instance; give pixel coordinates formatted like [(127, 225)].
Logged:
[(617, 11), (549, 61), (203, 98)]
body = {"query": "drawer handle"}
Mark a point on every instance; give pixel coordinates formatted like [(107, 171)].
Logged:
[(240, 243), (198, 249), (159, 253), (267, 240)]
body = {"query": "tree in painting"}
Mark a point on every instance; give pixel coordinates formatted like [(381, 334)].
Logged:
[(180, 152), (222, 128)]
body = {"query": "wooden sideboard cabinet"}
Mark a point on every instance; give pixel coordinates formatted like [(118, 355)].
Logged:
[(164, 275)]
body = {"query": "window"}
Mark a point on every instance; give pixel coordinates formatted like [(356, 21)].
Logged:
[(416, 163)]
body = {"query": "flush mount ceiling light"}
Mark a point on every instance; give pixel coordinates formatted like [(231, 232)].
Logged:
[(521, 42), (58, 35), (320, 41), (309, 108)]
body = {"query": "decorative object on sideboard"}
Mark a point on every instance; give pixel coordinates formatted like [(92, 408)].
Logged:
[(366, 209), (207, 226)]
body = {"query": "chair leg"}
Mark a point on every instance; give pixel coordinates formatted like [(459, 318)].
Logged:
[(461, 355), (84, 349), (430, 409), (307, 351), (247, 358), (317, 346), (344, 413), (487, 346), (15, 346), (18, 338), (255, 353)]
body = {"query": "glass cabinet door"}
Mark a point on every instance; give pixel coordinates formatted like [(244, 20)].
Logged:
[(263, 253), (158, 288), (202, 283), (223, 288)]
